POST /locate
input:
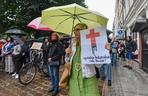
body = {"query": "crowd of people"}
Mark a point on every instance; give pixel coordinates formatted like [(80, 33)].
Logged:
[(14, 55), (82, 80)]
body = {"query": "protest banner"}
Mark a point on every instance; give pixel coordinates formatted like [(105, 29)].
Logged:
[(36, 45), (93, 43)]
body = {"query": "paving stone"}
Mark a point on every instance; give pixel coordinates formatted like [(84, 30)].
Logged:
[(129, 82), (125, 83), (9, 86)]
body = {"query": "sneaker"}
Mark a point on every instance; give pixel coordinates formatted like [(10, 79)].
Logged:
[(126, 66), (50, 90), (16, 76), (54, 93)]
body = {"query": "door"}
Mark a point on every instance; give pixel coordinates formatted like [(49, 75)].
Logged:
[(145, 50)]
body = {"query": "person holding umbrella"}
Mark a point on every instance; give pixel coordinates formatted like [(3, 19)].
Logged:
[(83, 81), (63, 19)]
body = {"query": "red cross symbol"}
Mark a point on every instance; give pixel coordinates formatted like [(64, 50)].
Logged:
[(92, 36)]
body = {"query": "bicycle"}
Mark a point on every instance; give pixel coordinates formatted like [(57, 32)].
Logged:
[(29, 70)]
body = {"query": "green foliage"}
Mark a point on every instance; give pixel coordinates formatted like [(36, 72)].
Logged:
[(18, 13)]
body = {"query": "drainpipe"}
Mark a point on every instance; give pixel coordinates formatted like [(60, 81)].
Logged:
[(146, 9), (140, 50)]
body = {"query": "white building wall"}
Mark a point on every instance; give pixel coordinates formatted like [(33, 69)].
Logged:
[(132, 10)]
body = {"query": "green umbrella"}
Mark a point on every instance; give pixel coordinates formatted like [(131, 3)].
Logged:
[(64, 18)]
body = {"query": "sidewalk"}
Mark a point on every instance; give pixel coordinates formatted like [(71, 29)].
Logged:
[(128, 82)]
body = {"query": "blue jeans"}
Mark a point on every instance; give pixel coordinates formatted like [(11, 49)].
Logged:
[(114, 59), (129, 55), (109, 71), (54, 74)]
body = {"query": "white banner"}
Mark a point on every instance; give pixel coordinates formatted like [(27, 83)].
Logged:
[(93, 43), (36, 45)]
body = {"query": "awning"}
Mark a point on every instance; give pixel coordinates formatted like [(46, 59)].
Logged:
[(139, 25)]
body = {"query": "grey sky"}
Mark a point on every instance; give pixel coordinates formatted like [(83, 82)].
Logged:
[(105, 7)]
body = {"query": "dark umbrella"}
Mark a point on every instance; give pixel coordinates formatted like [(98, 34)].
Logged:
[(18, 40), (15, 32)]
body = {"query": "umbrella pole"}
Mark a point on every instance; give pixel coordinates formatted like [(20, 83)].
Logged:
[(70, 45), (72, 30), (73, 26), (74, 17)]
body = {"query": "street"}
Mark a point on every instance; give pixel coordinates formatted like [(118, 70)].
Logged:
[(125, 83)]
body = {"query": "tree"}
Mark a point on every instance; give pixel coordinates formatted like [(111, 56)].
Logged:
[(18, 13)]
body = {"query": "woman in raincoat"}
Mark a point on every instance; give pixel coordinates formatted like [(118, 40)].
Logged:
[(83, 81)]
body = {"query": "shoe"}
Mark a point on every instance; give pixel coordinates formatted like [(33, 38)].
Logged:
[(109, 83), (16, 76), (130, 68), (125, 66), (54, 93), (50, 90)]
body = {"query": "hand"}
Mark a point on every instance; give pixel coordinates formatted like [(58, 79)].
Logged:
[(3, 54), (107, 46), (23, 53), (49, 59), (68, 51), (133, 53)]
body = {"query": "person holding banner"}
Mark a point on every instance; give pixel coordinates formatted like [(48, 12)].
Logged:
[(82, 81), (108, 67)]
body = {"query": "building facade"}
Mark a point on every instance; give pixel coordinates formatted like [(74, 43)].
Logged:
[(132, 17)]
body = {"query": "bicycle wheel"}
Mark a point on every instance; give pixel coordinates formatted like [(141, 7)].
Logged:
[(27, 74)]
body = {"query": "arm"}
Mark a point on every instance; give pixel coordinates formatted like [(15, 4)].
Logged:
[(19, 49), (98, 65), (10, 49), (57, 57), (108, 46), (3, 52), (57, 54)]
